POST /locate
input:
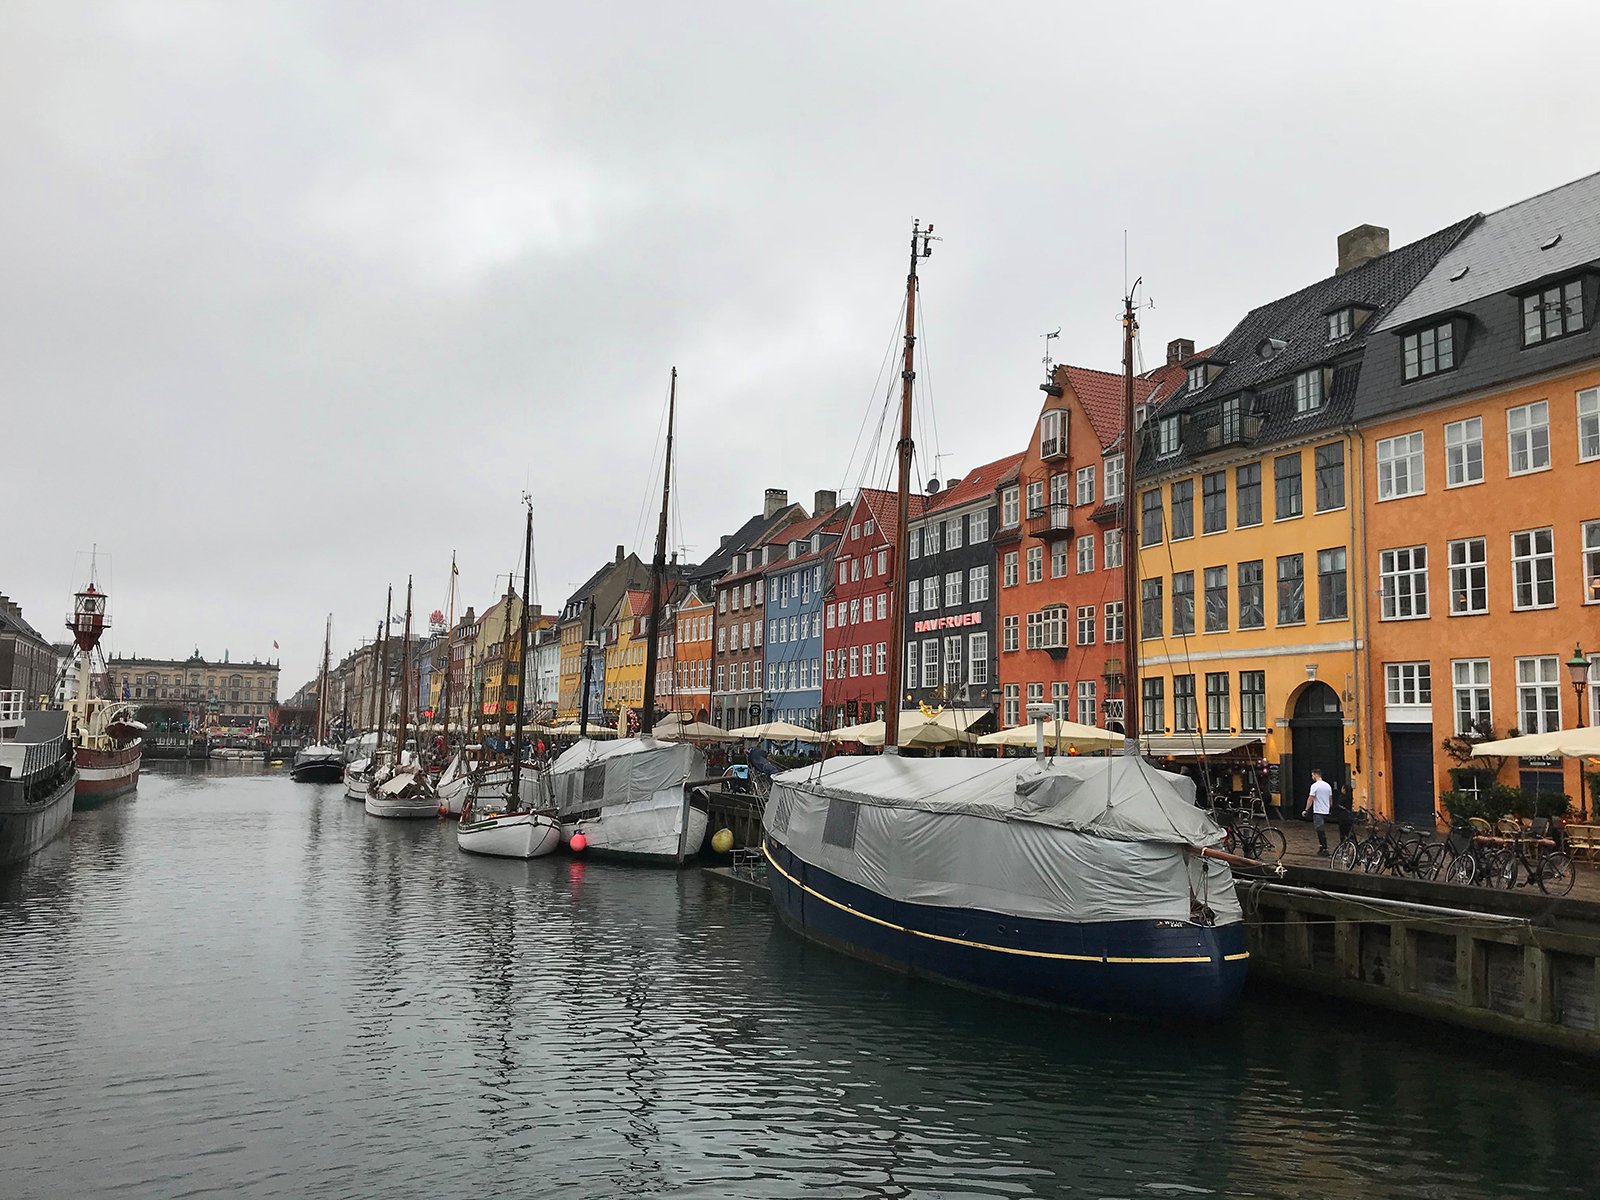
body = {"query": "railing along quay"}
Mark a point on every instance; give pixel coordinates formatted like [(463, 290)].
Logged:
[(1516, 964)]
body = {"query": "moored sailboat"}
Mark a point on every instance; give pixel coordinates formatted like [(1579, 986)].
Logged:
[(320, 762), (493, 818), (632, 798), (401, 788), (1092, 884)]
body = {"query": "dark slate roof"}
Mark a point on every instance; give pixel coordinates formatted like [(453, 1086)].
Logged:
[(752, 533), (1300, 322), (1503, 251), (12, 621)]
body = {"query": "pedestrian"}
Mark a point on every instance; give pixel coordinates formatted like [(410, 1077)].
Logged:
[(1319, 804)]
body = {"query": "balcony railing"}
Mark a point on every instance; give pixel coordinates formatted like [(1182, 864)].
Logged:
[(1052, 522), (1215, 429), (1054, 447)]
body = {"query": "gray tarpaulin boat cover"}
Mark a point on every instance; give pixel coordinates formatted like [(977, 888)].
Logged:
[(628, 771), (1073, 839)]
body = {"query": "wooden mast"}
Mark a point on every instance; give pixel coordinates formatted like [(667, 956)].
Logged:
[(897, 621), (322, 686), (588, 669), (522, 673), (372, 688), (657, 569), (449, 652), (1130, 545), (383, 679), (405, 669)]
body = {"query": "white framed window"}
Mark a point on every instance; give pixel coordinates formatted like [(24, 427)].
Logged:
[(1035, 564), (1403, 579), (1539, 694), (952, 590), (1167, 436), (855, 569), (1340, 324), (1112, 611), (1408, 683), (829, 609), (1469, 577), (1469, 681), (866, 529), (1591, 562), (844, 571), (1051, 441), (1036, 498), (1061, 700), (828, 661), (1013, 704), (1533, 568), (914, 542), (1197, 377), (1553, 312), (930, 593), (883, 606), (1086, 702), (1085, 485), (855, 533), (953, 530), (977, 658), (1060, 557), (1528, 437), (1035, 630), (1009, 516), (978, 526), (1114, 478), (1429, 350), (1400, 466), (866, 566), (978, 584), (1463, 452), (1113, 555), (952, 662), (1086, 625), (1086, 554), (1008, 633), (855, 612), (914, 597), (1588, 424), (722, 639), (1010, 578), (1308, 391), (930, 662)]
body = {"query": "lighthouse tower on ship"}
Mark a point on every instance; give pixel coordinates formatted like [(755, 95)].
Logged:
[(104, 734)]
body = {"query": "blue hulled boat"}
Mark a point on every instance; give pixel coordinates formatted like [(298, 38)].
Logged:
[(1077, 882)]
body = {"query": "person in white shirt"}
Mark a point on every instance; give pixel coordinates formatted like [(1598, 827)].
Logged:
[(1319, 804)]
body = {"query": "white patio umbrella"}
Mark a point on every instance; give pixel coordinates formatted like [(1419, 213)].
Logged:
[(1561, 743), (776, 731), (1058, 735)]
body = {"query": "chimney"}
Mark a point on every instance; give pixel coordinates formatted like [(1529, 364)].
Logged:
[(950, 483), (824, 502), (726, 538), (777, 501), (619, 554), (1361, 245), (536, 610), (1178, 350)]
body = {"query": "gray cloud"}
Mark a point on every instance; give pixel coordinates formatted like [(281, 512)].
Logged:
[(298, 299)]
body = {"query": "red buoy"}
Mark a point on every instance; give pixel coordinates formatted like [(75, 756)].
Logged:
[(578, 842)]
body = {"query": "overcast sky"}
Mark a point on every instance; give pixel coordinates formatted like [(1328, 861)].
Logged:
[(296, 300)]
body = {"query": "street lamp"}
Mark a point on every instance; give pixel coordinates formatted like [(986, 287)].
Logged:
[(1578, 668)]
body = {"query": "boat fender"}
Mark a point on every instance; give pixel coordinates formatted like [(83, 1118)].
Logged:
[(578, 842), (722, 841)]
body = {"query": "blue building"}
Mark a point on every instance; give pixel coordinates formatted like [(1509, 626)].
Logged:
[(796, 584)]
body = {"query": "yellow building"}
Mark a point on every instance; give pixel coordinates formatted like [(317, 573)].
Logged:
[(627, 645), (1246, 501), (492, 655)]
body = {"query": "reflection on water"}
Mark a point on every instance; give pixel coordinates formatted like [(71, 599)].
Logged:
[(234, 983)]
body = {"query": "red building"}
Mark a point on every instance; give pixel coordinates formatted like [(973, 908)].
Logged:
[(1059, 548), (855, 636)]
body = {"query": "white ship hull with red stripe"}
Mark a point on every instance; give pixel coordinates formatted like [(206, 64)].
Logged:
[(103, 774)]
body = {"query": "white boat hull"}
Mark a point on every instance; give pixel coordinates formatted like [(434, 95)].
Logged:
[(402, 807), (520, 835), (355, 785), (663, 829)]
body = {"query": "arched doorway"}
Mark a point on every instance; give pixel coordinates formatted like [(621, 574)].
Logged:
[(1316, 733)]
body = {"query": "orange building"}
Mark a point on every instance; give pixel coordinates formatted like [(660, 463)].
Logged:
[(683, 676), (1481, 436)]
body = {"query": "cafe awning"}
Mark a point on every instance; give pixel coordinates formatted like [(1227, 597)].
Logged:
[(1195, 745)]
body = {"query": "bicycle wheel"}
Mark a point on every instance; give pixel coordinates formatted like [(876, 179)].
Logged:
[(1270, 845), (1555, 873), (1503, 870), (1461, 870), (1374, 857), (1344, 855), (1428, 860)]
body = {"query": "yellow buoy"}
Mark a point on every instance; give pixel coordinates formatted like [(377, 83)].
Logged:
[(722, 841)]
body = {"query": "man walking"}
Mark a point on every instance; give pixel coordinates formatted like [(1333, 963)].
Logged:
[(1319, 804)]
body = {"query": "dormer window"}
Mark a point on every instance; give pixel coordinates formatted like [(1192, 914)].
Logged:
[(1552, 312), (1428, 351), (1167, 430), (1308, 391), (1341, 324), (1197, 377)]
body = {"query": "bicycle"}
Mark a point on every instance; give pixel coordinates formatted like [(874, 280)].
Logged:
[(1531, 859), (1241, 835)]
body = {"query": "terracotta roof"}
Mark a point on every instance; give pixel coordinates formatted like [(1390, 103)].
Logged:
[(884, 506), (1101, 394), (980, 481), (637, 604)]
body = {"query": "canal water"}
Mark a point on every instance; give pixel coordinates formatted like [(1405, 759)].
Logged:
[(235, 985)]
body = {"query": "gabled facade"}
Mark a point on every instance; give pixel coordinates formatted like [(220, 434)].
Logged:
[(1479, 406), (627, 644), (1246, 503), (952, 645), (855, 636), (688, 683), (589, 607), (796, 587)]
